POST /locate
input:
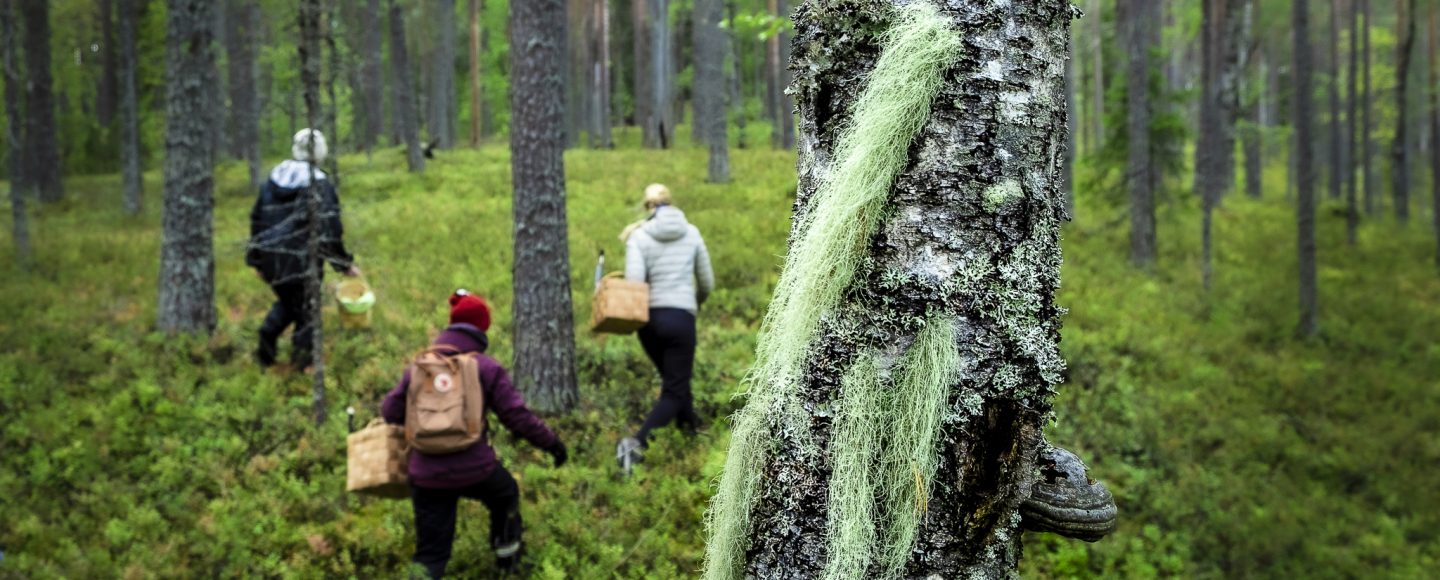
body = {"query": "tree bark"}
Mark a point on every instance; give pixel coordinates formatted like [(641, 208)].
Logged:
[(543, 326), (641, 38), (371, 99), (1338, 175), (1254, 137), (14, 118), (1400, 146), (1097, 62), (244, 36), (599, 75), (106, 91), (737, 73), (1367, 144), (1304, 160), (404, 92), (1138, 114), (310, 18), (1431, 89), (132, 182), (442, 77), (1072, 126), (42, 145), (1223, 33), (477, 97), (661, 82), (710, 48), (187, 263), (1352, 209), (966, 174)]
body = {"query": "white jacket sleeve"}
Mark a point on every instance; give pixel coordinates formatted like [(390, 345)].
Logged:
[(635, 260), (703, 274)]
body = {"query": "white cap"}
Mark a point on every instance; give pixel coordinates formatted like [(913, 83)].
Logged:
[(301, 149)]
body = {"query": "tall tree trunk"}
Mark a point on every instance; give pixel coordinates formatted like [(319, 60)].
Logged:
[(372, 82), (43, 147), (1434, 92), (187, 263), (477, 97), (1304, 160), (598, 73), (1400, 146), (737, 73), (404, 90), (1138, 113), (710, 47), (543, 327), (106, 91), (644, 79), (1223, 31), (1367, 144), (244, 36), (786, 105), (773, 86), (927, 480), (1254, 136), (310, 17), (442, 77), (132, 182), (1352, 209), (331, 110), (661, 80), (1072, 126), (1097, 61), (10, 68), (1337, 144)]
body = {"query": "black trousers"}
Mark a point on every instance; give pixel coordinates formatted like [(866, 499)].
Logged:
[(435, 520), (289, 309), (669, 341)]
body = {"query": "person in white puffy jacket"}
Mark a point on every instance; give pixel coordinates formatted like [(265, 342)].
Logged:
[(669, 254)]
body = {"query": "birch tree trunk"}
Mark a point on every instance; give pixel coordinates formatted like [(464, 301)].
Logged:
[(906, 365), (41, 132), (187, 262), (404, 90), (1138, 113), (1305, 171), (132, 182), (10, 68), (544, 331)]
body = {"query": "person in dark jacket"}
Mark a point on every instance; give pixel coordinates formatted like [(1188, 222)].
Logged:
[(278, 238), (438, 482), (667, 253)]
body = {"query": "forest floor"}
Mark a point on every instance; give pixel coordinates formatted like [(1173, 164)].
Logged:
[(1233, 448)]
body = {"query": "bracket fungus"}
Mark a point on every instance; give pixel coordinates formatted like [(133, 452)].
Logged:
[(1065, 501)]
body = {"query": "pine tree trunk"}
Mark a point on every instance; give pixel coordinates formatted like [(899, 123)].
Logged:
[(1337, 144), (1142, 196), (187, 263), (1400, 146), (1097, 61), (1352, 209), (1304, 161), (737, 73), (404, 90), (1367, 144), (442, 76), (10, 68), (543, 326), (1434, 92), (310, 17), (641, 38), (1254, 137), (1072, 126), (823, 477), (477, 100), (371, 98), (661, 88), (41, 132), (106, 91), (600, 88), (1223, 32), (244, 36), (710, 47), (773, 86), (132, 182)]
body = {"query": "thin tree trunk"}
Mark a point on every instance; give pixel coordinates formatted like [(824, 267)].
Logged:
[(1072, 126), (661, 116), (1352, 210), (1400, 146), (132, 182), (41, 132), (404, 90), (310, 17), (372, 81), (786, 106), (1215, 154), (332, 73), (737, 72), (1337, 144), (1431, 88), (106, 91), (1097, 60), (10, 68), (543, 328), (773, 86), (710, 48), (1367, 144), (187, 263), (442, 77), (477, 101), (244, 37), (1304, 143), (825, 476), (599, 74), (1254, 136), (1137, 171), (644, 78)]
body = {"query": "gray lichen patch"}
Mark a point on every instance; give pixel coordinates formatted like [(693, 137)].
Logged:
[(1003, 197)]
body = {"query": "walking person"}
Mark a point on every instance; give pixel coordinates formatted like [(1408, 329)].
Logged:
[(668, 253), (438, 481), (279, 224)]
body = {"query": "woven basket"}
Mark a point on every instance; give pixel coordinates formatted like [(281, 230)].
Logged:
[(620, 306), (378, 462)]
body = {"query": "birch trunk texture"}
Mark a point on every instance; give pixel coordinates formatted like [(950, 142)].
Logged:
[(710, 48), (1137, 19), (906, 366), (544, 331), (404, 112), (132, 182), (1305, 171), (41, 132), (187, 262), (10, 68)]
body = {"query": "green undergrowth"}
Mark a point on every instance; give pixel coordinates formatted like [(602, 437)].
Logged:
[(1233, 448)]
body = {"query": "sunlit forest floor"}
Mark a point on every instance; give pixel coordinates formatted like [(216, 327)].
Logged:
[(1233, 448)]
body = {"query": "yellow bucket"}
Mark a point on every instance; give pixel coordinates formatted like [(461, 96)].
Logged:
[(355, 299)]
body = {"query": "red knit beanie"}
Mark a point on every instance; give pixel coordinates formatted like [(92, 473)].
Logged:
[(470, 309)]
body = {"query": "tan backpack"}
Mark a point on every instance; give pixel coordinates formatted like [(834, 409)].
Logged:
[(445, 407)]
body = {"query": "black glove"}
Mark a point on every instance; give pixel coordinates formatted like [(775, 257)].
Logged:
[(559, 453)]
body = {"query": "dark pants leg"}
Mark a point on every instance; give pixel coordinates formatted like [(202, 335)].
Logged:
[(669, 341), (289, 309), (435, 520)]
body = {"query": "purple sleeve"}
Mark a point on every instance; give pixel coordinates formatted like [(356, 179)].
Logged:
[(509, 407), (393, 407)]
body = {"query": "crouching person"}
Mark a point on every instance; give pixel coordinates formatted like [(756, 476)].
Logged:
[(442, 401)]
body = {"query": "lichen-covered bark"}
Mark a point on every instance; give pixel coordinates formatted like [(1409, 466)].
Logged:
[(187, 263), (543, 328), (969, 238)]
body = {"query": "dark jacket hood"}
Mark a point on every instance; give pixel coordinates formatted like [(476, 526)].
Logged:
[(464, 337)]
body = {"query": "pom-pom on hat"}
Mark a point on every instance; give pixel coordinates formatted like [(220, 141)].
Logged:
[(469, 309)]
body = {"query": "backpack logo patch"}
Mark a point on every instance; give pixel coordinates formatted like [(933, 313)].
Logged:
[(444, 382)]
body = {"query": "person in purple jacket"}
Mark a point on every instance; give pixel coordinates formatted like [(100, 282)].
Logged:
[(438, 482)]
